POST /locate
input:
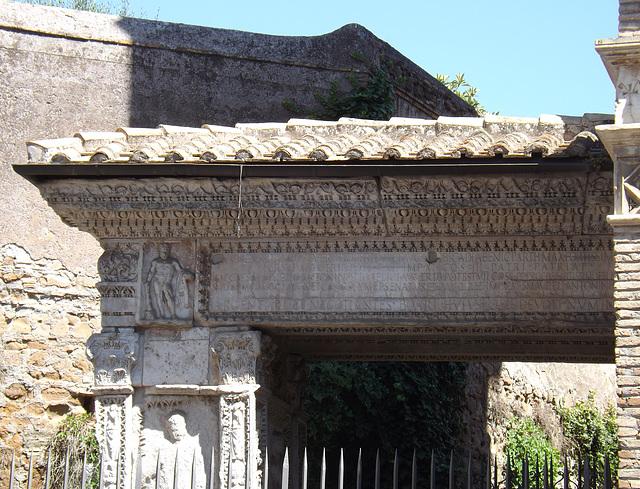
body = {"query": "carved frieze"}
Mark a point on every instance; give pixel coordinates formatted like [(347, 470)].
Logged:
[(307, 208), (113, 356)]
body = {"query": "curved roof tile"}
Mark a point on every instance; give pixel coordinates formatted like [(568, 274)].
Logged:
[(317, 141)]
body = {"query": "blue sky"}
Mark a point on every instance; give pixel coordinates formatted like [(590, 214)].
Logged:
[(526, 57)]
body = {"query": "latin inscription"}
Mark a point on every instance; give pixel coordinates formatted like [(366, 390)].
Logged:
[(413, 282)]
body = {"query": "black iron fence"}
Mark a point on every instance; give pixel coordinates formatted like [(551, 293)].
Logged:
[(527, 474)]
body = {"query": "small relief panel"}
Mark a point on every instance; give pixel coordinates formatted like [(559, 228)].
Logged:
[(119, 269), (175, 441), (167, 284)]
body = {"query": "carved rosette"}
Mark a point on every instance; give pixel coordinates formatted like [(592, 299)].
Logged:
[(113, 356), (236, 353)]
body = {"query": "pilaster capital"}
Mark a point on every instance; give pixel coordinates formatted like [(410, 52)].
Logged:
[(113, 355), (236, 352)]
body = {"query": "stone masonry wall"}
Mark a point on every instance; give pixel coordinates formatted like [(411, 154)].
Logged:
[(627, 297), (46, 315), (499, 392)]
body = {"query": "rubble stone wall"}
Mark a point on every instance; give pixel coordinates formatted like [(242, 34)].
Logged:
[(46, 315)]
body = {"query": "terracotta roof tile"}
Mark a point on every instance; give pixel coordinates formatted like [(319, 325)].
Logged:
[(314, 141)]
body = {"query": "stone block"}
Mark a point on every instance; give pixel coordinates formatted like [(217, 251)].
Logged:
[(15, 392), (629, 266), (60, 329), (176, 362), (20, 325), (38, 359), (82, 330), (54, 394), (34, 409)]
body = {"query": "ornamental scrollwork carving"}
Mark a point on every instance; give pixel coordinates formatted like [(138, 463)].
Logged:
[(236, 354), (119, 264)]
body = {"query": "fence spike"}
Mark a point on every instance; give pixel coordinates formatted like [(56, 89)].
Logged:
[(305, 469), (432, 476), (469, 472), (323, 470), (341, 470), (13, 468), (83, 483), (566, 474), (487, 483), (551, 481), (414, 471), (395, 470), (359, 470), (157, 472), (452, 482), (587, 473), (101, 483), (176, 470), (65, 484), (137, 483), (30, 475), (47, 481), (537, 472), (508, 474), (545, 473), (377, 480), (285, 469), (607, 473), (265, 473), (495, 472), (194, 470), (525, 473)]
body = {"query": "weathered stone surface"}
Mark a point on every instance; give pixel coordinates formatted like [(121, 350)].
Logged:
[(15, 391)]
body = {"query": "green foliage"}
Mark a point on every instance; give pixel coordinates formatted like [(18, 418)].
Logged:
[(593, 433), (76, 437), (462, 89), (526, 441), (122, 8), (371, 405), (373, 100)]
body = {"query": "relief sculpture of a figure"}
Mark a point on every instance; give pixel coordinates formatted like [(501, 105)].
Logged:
[(166, 288), (180, 461)]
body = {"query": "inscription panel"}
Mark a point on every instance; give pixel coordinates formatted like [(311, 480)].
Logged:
[(298, 284)]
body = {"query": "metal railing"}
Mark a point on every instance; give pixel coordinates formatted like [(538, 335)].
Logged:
[(545, 475)]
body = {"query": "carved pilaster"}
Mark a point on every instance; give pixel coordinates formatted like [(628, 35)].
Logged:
[(235, 352), (113, 356)]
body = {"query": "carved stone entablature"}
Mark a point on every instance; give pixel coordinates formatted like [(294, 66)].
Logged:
[(236, 352), (531, 204), (113, 356)]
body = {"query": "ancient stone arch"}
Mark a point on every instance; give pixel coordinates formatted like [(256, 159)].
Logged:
[(233, 254)]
